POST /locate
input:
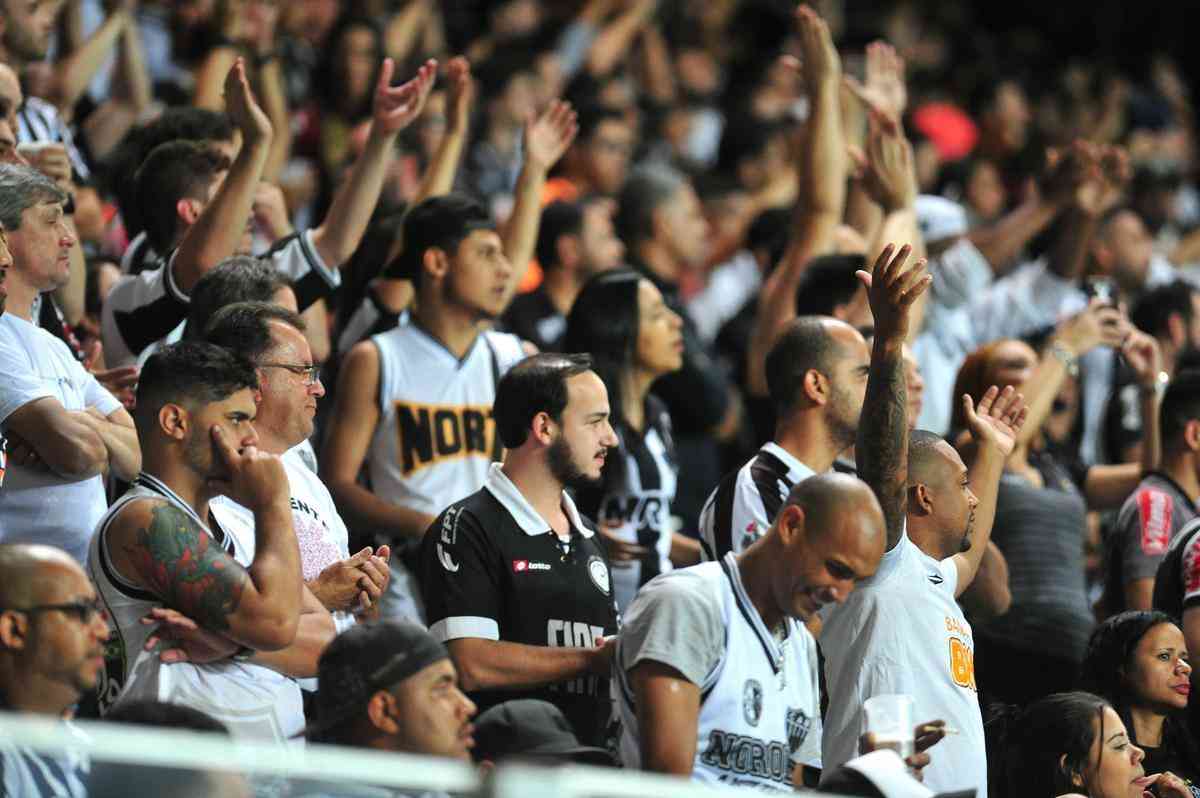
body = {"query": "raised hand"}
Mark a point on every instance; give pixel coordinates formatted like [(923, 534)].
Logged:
[(255, 479), (243, 109), (1106, 183), (892, 290), (889, 175), (49, 158), (997, 419), (270, 211), (183, 640), (460, 94), (1099, 324), (821, 64), (547, 137), (395, 107), (1144, 356), (884, 89)]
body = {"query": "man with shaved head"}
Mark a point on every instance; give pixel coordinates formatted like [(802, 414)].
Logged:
[(52, 636), (816, 377)]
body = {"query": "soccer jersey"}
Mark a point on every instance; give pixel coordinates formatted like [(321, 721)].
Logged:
[(1147, 523), (435, 437), (37, 505), (1177, 583), (253, 701), (639, 509), (744, 505), (139, 255), (492, 568), (146, 311), (26, 771), (901, 631), (759, 694)]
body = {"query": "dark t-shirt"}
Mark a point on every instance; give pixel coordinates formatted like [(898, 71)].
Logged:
[(533, 317), (487, 572)]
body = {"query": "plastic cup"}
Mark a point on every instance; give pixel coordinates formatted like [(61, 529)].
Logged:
[(889, 719)]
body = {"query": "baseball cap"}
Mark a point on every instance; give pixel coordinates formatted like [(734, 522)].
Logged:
[(881, 774), (363, 659), (526, 727), (940, 218), (441, 221), (952, 132)]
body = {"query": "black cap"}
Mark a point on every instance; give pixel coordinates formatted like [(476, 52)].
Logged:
[(442, 221), (366, 658), (529, 728)]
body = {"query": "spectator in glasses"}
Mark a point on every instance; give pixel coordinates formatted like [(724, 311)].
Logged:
[(52, 636)]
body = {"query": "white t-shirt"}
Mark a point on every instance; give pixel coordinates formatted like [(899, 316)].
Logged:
[(36, 505), (901, 631)]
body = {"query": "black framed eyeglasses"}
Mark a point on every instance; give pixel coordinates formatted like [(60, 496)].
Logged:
[(310, 373), (84, 611)]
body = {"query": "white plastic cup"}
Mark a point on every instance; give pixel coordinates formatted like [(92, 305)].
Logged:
[(889, 719)]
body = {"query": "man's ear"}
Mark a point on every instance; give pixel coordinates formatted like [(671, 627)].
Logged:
[(188, 209), (920, 499), (435, 263), (13, 626), (542, 428), (791, 523), (382, 710), (816, 387), (1191, 434), (174, 421)]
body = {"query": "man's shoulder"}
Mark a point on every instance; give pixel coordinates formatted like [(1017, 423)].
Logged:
[(695, 587)]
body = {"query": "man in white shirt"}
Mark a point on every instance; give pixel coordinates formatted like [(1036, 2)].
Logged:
[(64, 430), (903, 631), (52, 634), (816, 376)]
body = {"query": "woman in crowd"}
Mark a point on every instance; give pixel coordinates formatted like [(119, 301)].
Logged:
[(1072, 744), (1041, 510), (634, 338), (1139, 662)]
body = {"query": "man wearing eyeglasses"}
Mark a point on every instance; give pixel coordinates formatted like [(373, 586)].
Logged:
[(52, 636)]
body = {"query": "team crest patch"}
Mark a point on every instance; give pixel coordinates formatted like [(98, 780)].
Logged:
[(598, 571), (750, 534), (798, 725), (752, 701)]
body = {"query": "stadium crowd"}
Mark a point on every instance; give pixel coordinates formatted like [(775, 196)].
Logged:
[(647, 383)]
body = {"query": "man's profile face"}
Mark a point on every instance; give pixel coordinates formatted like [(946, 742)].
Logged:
[(847, 381), (479, 277), (5, 265), (41, 246), (66, 649), (235, 416), (954, 502), (577, 456), (434, 714), (289, 402), (29, 24)]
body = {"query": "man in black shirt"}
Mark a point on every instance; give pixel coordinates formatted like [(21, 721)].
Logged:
[(514, 582), (575, 241)]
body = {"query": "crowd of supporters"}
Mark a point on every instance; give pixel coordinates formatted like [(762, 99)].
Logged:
[(648, 383)]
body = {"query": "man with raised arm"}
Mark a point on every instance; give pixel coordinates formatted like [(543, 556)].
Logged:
[(515, 583), (159, 551), (197, 210)]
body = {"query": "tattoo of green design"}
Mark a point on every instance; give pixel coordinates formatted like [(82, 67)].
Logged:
[(187, 569)]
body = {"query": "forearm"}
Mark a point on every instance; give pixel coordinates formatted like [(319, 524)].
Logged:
[(984, 477), (368, 511), (500, 665), (77, 69), (404, 28), (270, 619), (614, 41), (658, 79), (439, 175), (121, 443), (989, 595), (1151, 439), (350, 212), (1001, 242), (134, 79), (1068, 254), (210, 77), (314, 632), (1040, 391), (520, 236), (274, 102), (881, 448), (1107, 486)]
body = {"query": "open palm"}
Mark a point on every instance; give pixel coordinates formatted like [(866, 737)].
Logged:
[(997, 419), (395, 107), (548, 136)]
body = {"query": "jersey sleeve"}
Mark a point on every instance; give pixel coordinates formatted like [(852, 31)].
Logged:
[(139, 310), (1145, 533), (733, 517), (1190, 564), (296, 258), (19, 386), (460, 583), (677, 622)]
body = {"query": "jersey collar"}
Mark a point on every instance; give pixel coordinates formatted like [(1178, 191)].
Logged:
[(530, 521), (797, 471)]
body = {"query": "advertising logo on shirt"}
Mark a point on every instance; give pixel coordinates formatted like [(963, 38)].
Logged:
[(1154, 510), (598, 571)]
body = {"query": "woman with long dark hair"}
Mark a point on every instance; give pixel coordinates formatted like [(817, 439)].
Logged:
[(1071, 744), (634, 338), (1139, 662)]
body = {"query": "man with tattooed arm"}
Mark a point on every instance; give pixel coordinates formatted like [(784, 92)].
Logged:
[(159, 555)]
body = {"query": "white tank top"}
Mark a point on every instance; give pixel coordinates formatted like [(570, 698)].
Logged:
[(253, 701), (759, 707)]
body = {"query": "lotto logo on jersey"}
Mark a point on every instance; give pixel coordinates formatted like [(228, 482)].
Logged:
[(1154, 509), (520, 566), (432, 433)]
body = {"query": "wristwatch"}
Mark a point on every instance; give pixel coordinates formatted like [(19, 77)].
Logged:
[(1068, 358), (1158, 387)]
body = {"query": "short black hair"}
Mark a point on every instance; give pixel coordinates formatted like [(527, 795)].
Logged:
[(590, 115), (241, 278), (189, 373), (439, 222), (743, 138), (805, 344), (1154, 308), (166, 716), (538, 384), (245, 327), (175, 123), (558, 219), (1180, 404), (828, 283), (644, 192), (171, 172), (922, 448)]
